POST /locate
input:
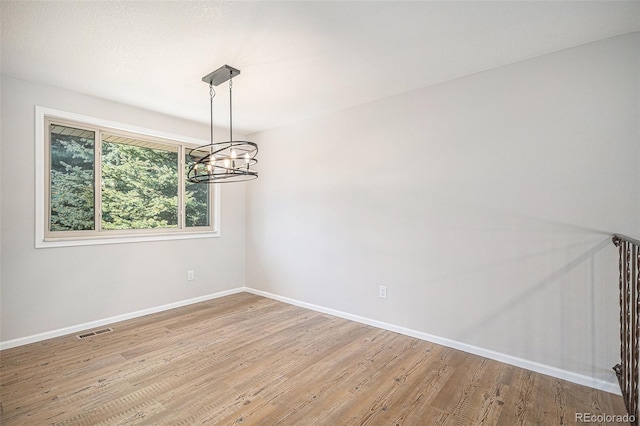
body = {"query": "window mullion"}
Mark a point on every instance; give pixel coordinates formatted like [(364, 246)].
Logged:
[(98, 181), (181, 189)]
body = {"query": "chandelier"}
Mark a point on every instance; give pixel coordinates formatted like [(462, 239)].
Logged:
[(220, 162)]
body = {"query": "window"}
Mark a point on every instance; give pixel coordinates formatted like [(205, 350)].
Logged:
[(103, 182)]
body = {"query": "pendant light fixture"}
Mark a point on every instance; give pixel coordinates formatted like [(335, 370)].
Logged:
[(220, 162)]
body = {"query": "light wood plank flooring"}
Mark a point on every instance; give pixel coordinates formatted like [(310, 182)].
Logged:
[(245, 359)]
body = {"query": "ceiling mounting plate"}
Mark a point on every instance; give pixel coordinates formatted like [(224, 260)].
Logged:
[(220, 75)]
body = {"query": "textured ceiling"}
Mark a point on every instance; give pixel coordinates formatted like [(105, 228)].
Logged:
[(298, 59)]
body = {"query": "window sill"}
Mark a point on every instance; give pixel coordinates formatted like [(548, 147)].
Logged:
[(122, 239)]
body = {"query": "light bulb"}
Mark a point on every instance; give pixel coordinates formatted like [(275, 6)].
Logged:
[(226, 163), (247, 158), (209, 167), (233, 153)]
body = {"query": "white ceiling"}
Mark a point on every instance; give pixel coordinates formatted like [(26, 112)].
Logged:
[(297, 59)]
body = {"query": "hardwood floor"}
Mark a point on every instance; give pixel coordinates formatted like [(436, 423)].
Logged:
[(245, 359)]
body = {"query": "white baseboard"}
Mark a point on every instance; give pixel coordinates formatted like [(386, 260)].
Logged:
[(581, 379), (107, 321), (607, 386)]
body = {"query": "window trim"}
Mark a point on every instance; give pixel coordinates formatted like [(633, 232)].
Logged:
[(43, 239)]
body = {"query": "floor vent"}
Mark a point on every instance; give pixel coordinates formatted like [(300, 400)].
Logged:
[(94, 333)]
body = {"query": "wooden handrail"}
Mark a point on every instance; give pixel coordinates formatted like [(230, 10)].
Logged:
[(618, 237)]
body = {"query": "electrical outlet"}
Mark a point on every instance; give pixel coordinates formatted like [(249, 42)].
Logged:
[(191, 275), (382, 292)]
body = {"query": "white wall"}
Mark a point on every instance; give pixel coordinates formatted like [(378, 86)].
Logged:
[(49, 289), (484, 204)]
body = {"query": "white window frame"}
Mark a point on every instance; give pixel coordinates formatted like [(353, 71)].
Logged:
[(45, 238)]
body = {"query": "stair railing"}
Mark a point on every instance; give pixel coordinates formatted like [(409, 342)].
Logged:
[(627, 370)]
